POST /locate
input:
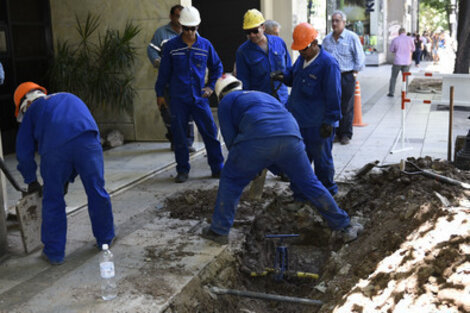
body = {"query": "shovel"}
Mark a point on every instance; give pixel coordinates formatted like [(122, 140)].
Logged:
[(431, 174), (28, 212)]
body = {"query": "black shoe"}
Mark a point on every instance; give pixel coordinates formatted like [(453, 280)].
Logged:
[(191, 149), (181, 177), (216, 175), (390, 95), (207, 233), (345, 140)]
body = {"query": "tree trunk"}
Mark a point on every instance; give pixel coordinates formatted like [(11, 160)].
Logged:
[(462, 57)]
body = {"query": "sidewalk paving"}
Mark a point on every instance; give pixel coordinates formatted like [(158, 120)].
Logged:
[(30, 285)]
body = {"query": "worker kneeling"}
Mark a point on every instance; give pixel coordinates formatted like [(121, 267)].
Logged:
[(259, 133), (67, 138)]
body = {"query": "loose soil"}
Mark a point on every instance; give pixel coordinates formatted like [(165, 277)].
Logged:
[(413, 256)]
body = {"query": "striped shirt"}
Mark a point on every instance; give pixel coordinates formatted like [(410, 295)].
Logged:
[(347, 50)]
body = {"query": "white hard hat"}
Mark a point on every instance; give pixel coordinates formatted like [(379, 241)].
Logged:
[(189, 16), (226, 84)]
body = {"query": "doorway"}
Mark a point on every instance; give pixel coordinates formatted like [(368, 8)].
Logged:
[(26, 50)]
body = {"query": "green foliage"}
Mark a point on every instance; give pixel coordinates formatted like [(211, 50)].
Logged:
[(434, 14), (99, 71), (432, 19)]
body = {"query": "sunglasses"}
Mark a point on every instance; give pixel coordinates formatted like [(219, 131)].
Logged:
[(187, 29), (304, 49), (253, 30)]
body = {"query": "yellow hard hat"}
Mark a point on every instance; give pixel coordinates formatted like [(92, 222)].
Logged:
[(253, 18)]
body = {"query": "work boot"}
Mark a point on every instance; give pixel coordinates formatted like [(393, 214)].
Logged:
[(181, 177), (351, 232), (51, 261), (209, 234), (191, 149)]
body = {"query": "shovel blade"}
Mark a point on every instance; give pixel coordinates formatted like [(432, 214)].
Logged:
[(29, 214)]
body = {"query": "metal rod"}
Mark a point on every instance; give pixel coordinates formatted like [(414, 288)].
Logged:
[(10, 177), (264, 296), (451, 118)]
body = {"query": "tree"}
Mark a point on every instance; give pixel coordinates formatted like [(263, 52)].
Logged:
[(435, 8), (462, 57)]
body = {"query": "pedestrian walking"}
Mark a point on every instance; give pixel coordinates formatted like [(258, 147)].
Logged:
[(259, 132), (403, 46), (347, 49), (418, 49), (183, 67), (154, 53), (260, 55), (315, 101), (435, 47), (61, 128)]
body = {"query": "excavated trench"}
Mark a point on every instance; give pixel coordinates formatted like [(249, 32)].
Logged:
[(393, 207)]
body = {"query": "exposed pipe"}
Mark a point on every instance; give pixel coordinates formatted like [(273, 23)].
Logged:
[(263, 296)]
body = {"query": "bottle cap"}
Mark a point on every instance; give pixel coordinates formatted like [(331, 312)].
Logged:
[(105, 247)]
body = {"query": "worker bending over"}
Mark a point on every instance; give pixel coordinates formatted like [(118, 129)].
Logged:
[(259, 132), (183, 67), (315, 101), (68, 141)]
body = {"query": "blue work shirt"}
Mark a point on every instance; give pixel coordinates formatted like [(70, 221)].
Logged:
[(184, 69), (254, 66), (248, 115), (2, 74), (316, 91), (154, 49), (49, 123), (348, 50)]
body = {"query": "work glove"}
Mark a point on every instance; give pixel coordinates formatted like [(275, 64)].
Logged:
[(206, 92), (277, 75), (34, 187), (326, 130), (161, 102)]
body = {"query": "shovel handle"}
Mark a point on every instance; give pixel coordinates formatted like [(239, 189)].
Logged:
[(441, 178), (10, 177)]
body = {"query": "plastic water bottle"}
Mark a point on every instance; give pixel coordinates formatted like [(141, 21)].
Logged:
[(108, 280)]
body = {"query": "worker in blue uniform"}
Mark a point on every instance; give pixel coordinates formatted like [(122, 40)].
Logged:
[(260, 55), (259, 132), (183, 67), (154, 53), (315, 101), (68, 141)]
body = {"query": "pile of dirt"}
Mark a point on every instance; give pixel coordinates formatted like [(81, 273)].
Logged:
[(414, 253), (425, 85)]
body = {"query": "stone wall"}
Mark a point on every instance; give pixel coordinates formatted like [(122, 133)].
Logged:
[(145, 122)]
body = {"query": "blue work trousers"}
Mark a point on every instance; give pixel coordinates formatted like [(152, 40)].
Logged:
[(83, 156), (202, 115), (319, 152), (246, 159)]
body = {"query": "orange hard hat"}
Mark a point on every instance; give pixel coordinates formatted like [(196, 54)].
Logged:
[(303, 35), (22, 90)]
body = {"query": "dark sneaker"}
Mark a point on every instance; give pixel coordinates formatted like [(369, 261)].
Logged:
[(390, 95), (181, 177), (351, 232), (345, 140), (216, 175), (51, 261), (191, 149), (207, 233)]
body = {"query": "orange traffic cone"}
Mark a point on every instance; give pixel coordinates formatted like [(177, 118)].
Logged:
[(357, 121)]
